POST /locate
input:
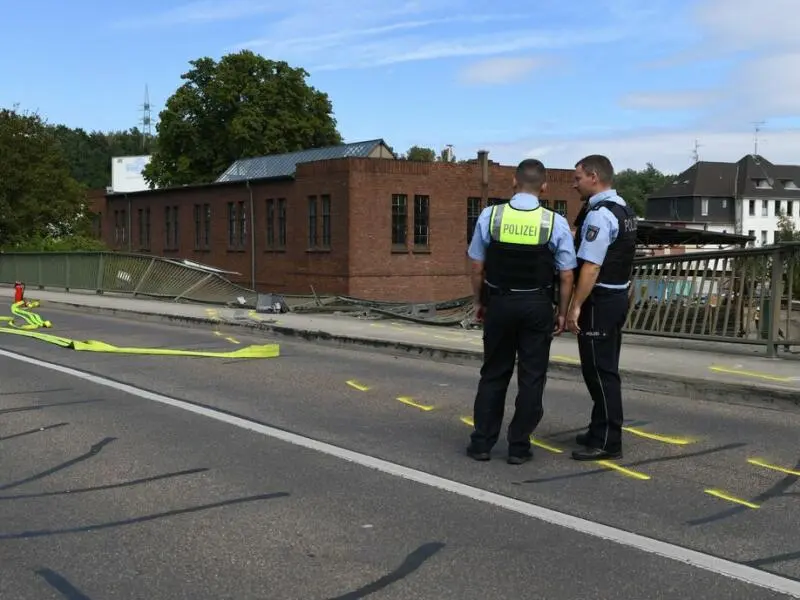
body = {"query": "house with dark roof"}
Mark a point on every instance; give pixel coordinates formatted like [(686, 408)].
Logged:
[(746, 197), (350, 220)]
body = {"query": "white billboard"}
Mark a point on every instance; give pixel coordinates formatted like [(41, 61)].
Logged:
[(126, 174)]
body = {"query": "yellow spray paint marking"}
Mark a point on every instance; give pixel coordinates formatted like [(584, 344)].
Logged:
[(677, 441), (468, 421), (354, 384), (729, 498), (622, 470), (760, 463), (233, 340), (545, 446), (754, 374), (566, 359), (410, 402)]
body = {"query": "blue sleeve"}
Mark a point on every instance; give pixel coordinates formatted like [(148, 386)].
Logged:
[(599, 230), (480, 238), (562, 245)]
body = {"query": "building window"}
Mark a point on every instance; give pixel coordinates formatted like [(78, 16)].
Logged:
[(704, 207), (764, 209), (312, 221), (544, 202), (789, 208), (325, 199), (751, 233), (473, 212), (763, 238), (281, 222), (399, 219), (270, 223), (202, 226), (120, 227), (237, 225), (170, 227), (97, 225), (422, 207), (561, 207), (752, 208), (144, 228), (724, 203)]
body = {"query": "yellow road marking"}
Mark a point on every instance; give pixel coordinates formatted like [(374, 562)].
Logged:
[(218, 333), (760, 463), (233, 340), (468, 421), (754, 374), (568, 359), (729, 498), (541, 444), (354, 384), (410, 402), (659, 438), (627, 472)]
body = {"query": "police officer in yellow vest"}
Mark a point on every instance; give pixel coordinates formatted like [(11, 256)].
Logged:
[(516, 250)]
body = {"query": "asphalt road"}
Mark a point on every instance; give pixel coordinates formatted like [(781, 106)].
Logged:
[(107, 494)]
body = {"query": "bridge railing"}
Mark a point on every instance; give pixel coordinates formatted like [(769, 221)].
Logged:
[(747, 296), (118, 273)]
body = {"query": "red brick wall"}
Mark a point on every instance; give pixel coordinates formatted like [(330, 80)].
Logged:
[(440, 271), (360, 260)]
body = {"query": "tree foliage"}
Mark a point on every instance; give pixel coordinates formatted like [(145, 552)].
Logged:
[(89, 153), (635, 186), (242, 106), (424, 154), (39, 199)]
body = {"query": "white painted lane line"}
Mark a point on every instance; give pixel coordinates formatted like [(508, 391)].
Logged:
[(694, 558)]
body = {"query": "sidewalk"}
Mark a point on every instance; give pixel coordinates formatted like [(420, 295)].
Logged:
[(706, 371)]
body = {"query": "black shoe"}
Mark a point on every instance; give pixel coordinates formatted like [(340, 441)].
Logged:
[(480, 455), (596, 454), (519, 459)]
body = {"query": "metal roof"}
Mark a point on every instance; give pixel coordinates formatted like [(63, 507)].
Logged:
[(651, 233), (284, 165)]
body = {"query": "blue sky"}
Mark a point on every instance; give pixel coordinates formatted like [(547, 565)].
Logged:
[(639, 81)]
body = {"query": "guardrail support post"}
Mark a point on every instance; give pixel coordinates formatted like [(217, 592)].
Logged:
[(144, 277), (101, 274), (775, 296)]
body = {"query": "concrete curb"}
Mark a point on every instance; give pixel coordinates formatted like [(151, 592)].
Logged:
[(661, 384)]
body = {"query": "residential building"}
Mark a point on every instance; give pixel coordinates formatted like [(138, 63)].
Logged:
[(746, 197), (348, 220)]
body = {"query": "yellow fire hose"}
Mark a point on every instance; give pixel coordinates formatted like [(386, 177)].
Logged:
[(33, 321)]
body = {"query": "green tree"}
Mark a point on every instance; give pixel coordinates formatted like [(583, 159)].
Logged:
[(39, 199), (89, 154), (242, 106), (635, 186), (420, 154)]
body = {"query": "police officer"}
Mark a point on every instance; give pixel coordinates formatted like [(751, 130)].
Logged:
[(516, 249), (607, 238)]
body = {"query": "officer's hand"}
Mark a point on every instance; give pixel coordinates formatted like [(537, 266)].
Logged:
[(479, 313), (560, 324), (572, 319)]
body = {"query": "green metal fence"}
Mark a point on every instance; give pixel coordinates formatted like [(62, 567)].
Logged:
[(747, 296), (117, 273)]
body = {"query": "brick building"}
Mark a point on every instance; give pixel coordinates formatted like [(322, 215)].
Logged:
[(349, 220)]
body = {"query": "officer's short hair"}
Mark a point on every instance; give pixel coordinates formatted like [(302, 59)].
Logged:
[(531, 173), (599, 165)]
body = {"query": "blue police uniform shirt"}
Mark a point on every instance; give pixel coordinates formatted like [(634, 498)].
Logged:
[(561, 243), (605, 229)]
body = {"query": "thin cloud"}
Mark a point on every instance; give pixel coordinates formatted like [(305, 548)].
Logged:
[(669, 100), (204, 11), (496, 71)]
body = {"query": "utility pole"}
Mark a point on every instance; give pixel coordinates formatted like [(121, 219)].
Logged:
[(695, 152), (146, 121)]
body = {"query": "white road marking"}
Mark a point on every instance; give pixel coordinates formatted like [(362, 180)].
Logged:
[(694, 558)]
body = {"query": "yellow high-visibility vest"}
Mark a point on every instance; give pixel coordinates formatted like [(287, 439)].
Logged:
[(524, 227)]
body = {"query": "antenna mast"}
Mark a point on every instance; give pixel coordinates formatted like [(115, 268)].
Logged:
[(757, 125), (146, 122), (695, 152)]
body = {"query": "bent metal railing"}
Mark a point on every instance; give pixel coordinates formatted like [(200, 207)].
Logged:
[(747, 296), (117, 273)]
